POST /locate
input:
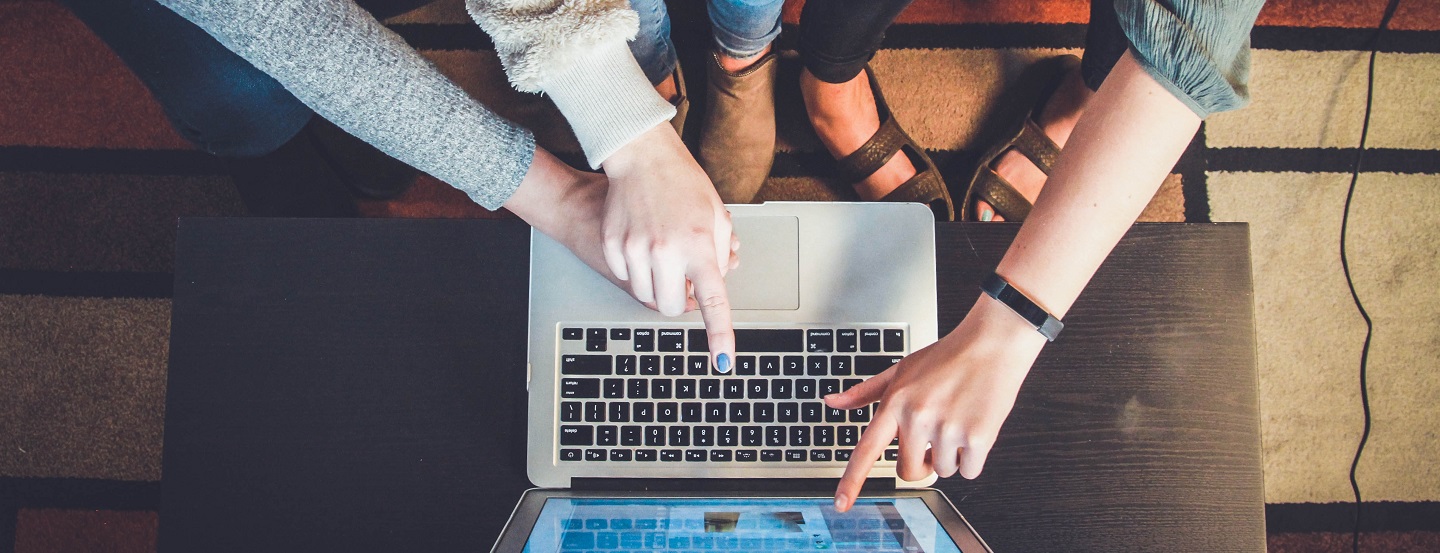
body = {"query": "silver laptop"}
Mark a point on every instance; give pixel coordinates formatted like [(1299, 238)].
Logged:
[(624, 401)]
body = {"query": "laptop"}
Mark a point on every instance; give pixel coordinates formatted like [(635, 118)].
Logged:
[(639, 443)]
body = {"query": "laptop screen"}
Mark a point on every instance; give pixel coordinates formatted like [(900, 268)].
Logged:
[(902, 524)]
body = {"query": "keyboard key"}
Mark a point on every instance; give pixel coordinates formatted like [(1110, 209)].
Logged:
[(637, 388), (703, 436), (655, 436), (691, 412), (816, 365), (594, 411), (695, 455), (792, 365), (745, 456), (824, 436), (781, 388), (765, 412), (671, 455), (595, 339), (820, 340), (577, 435), (860, 414), (671, 339), (650, 365), (661, 388), (770, 455), (619, 411), (585, 364), (892, 454), (845, 340), (570, 454), (805, 388), (642, 411), (697, 365), (667, 411), (619, 334), (674, 365), (834, 415), (787, 412), (757, 388), (819, 455), (739, 412), (619, 455), (795, 455), (699, 341), (710, 388), (680, 436), (645, 455), (630, 435), (811, 411), (580, 388), (870, 339), (572, 333), (720, 455), (850, 383), (745, 365), (870, 365), (607, 435), (774, 436), (625, 364), (569, 411), (714, 412), (685, 388), (848, 436), (614, 388), (752, 436), (894, 339), (840, 365), (644, 340), (800, 436), (842, 455), (734, 388), (769, 365), (829, 386), (776, 340), (727, 436)]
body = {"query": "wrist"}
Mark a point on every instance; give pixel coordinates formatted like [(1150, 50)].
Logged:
[(643, 148), (998, 322)]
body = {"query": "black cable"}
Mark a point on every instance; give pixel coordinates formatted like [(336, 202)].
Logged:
[(1345, 264)]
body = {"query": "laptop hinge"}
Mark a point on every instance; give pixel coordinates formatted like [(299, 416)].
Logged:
[(826, 485)]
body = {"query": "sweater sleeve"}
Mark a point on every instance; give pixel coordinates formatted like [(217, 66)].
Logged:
[(1198, 49), (337, 59), (575, 52)]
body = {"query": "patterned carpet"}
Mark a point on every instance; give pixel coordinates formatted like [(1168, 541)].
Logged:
[(92, 178)]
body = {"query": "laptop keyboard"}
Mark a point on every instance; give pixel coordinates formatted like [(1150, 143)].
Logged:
[(650, 395)]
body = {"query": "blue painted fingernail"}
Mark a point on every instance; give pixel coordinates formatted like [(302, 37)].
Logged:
[(987, 215), (722, 363)]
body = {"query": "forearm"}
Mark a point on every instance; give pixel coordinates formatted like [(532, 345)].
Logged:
[(341, 62), (1122, 148)]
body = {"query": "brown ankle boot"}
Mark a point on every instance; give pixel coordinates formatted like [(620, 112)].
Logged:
[(737, 141), (682, 103)]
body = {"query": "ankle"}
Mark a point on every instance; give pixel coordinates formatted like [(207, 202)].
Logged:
[(736, 65), (669, 89)]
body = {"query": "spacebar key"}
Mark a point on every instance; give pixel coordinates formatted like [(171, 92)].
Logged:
[(769, 340)]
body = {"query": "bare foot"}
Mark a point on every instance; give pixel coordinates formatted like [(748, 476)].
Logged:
[(845, 117), (1057, 119)]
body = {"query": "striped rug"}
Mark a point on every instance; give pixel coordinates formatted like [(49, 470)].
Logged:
[(92, 178)]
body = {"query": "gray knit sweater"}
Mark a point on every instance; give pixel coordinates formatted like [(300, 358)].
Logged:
[(349, 68)]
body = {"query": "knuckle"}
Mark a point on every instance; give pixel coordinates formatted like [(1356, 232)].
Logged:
[(714, 301)]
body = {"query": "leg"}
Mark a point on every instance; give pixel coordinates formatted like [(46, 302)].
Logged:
[(837, 39), (737, 143)]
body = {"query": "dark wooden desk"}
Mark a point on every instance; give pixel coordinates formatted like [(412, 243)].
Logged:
[(359, 385)]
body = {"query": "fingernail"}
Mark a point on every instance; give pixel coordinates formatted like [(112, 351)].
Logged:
[(722, 363), (987, 215), (840, 501)]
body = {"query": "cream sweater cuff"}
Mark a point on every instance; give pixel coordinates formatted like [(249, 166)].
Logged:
[(607, 100)]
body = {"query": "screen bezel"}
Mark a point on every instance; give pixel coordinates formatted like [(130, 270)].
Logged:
[(522, 521)]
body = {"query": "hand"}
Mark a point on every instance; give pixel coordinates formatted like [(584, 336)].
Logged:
[(667, 234), (951, 397)]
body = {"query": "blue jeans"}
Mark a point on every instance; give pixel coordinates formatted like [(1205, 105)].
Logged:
[(741, 29)]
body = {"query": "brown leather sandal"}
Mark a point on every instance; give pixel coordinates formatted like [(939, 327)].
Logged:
[(1025, 136), (925, 187)]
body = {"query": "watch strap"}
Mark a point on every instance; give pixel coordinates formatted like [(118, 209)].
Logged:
[(997, 287)]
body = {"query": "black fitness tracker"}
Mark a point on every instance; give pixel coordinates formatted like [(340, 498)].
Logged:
[(997, 287)]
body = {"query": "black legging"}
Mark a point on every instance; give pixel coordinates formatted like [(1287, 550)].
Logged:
[(838, 37)]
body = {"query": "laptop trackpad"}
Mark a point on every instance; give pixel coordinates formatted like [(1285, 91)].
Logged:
[(769, 272)]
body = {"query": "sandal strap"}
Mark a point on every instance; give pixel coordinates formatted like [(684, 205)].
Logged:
[(925, 187), (871, 156), (1033, 143), (1008, 202)]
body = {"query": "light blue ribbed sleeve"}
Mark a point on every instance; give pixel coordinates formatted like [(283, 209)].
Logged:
[(340, 61), (1198, 49)]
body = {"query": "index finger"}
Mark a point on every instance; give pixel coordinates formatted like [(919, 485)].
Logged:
[(872, 443), (714, 305)]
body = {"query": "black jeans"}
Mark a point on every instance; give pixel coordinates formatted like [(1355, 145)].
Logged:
[(838, 37)]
